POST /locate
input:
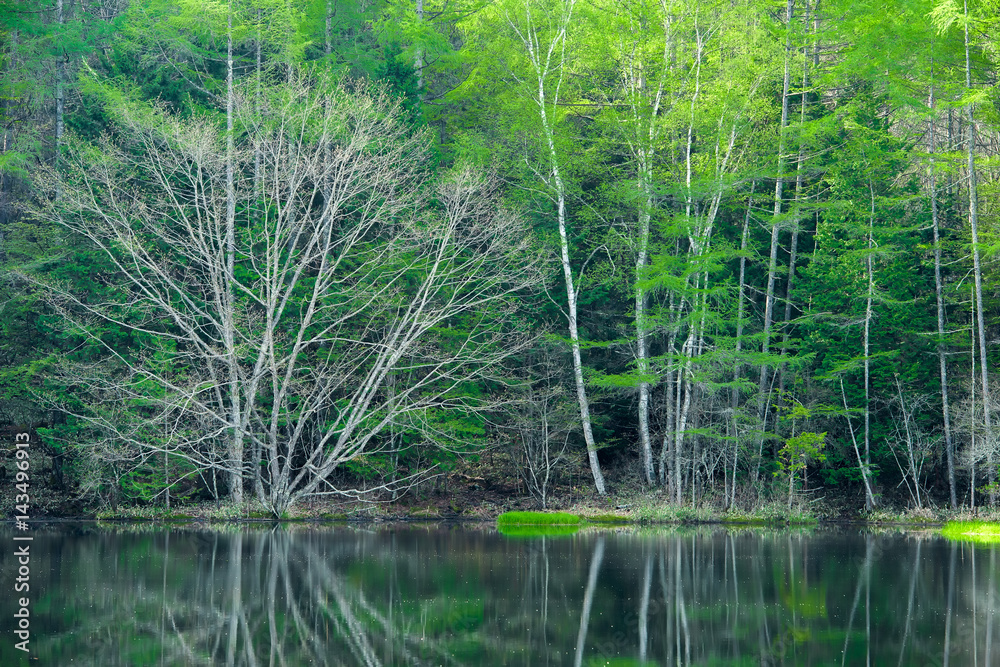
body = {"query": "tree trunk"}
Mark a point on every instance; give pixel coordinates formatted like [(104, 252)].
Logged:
[(642, 352), (740, 314), (972, 416), (644, 150), (910, 459), (542, 67), (695, 251), (939, 295), (869, 499), (574, 336), (418, 65), (258, 180), (683, 388), (796, 204), (329, 28), (773, 261), (236, 443), (684, 385), (869, 496), (60, 83), (669, 427), (977, 269), (792, 256)]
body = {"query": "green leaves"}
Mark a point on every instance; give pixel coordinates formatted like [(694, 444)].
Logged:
[(945, 14)]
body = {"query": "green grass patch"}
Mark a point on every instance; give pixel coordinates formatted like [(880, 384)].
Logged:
[(537, 530), (981, 532), (537, 519)]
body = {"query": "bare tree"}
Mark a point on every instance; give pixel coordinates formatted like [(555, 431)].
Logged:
[(980, 444), (352, 267), (542, 423), (911, 438)]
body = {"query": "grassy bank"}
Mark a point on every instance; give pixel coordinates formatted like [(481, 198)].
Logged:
[(537, 519), (981, 532), (573, 506)]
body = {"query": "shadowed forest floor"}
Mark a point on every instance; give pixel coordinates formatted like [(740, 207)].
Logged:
[(483, 490)]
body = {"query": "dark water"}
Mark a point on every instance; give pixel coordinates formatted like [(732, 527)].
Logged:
[(465, 595)]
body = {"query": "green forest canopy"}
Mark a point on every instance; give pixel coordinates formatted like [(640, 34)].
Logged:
[(678, 240)]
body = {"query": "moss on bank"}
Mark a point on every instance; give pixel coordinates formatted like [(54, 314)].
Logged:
[(981, 532), (640, 507), (537, 519)]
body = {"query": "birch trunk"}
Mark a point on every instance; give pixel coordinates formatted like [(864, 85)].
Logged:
[(869, 496), (683, 389), (792, 256), (869, 499), (418, 64), (796, 204), (700, 223), (972, 418), (740, 315), (549, 62), (773, 260), (670, 427), (328, 46), (694, 238), (644, 150), (700, 351), (642, 351), (60, 82), (939, 296), (977, 269), (574, 332)]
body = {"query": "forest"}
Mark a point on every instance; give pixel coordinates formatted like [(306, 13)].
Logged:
[(284, 250)]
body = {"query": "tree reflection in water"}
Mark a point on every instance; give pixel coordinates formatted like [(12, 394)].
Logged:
[(436, 595)]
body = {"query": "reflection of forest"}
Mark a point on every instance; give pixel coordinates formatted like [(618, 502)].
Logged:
[(455, 596)]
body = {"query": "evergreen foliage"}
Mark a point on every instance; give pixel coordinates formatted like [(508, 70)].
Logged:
[(749, 217)]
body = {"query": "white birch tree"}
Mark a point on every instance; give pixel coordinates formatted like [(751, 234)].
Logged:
[(542, 30)]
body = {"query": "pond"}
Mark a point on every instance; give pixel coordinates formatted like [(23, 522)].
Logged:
[(463, 594)]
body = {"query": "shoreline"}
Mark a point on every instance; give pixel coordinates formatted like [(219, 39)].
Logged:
[(883, 519)]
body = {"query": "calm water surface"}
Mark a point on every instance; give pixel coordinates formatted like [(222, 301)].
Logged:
[(466, 595)]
